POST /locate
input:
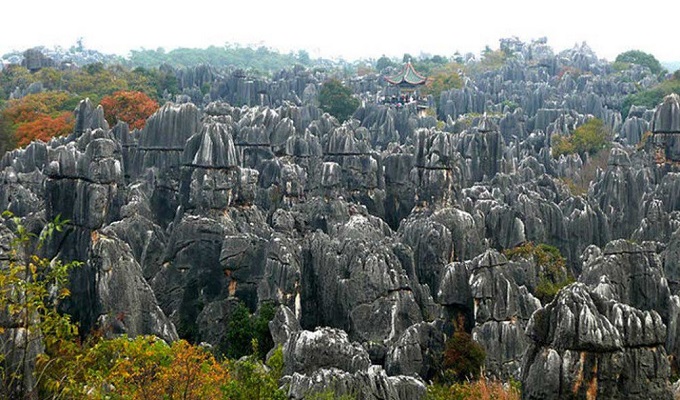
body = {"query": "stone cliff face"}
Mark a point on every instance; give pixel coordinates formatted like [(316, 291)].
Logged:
[(372, 236)]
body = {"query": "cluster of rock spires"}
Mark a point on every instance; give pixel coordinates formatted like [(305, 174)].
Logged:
[(371, 236)]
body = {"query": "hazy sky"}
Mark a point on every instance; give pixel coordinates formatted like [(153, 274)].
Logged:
[(347, 28)]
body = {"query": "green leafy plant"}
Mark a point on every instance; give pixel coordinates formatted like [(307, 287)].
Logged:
[(243, 328), (589, 138), (641, 58), (552, 274), (254, 380), (337, 100), (31, 289)]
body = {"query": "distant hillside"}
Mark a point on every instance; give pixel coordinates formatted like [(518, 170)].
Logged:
[(261, 59)]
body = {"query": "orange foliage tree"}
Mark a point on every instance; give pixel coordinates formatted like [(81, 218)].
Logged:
[(143, 368), (128, 106), (39, 116), (44, 127)]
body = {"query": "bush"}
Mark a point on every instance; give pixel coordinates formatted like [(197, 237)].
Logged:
[(254, 380), (641, 58), (36, 116), (579, 184), (589, 138), (553, 274), (128, 106), (463, 358), (482, 389), (337, 100), (442, 78), (141, 368), (244, 328), (650, 98)]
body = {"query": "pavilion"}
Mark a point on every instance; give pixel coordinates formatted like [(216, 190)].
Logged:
[(403, 86)]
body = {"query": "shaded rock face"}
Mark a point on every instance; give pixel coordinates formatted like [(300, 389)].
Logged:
[(34, 60), (633, 130), (353, 279), (620, 313), (584, 345), (323, 359), (417, 352), (486, 292), (619, 192), (629, 273), (666, 128), (128, 304)]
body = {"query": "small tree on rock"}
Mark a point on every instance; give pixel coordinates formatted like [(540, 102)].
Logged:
[(337, 100), (128, 106)]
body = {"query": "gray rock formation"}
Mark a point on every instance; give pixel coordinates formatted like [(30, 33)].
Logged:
[(584, 345), (486, 291), (666, 128), (384, 232), (324, 359)]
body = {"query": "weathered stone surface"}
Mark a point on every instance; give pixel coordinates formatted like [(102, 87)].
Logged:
[(418, 351), (580, 330), (373, 384), (307, 351), (500, 308), (353, 280), (667, 115), (212, 147), (125, 301)]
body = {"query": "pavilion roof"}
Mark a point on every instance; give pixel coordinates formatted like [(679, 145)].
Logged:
[(408, 75)]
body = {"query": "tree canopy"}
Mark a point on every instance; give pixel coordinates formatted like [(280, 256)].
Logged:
[(337, 100), (641, 58), (128, 106), (589, 138)]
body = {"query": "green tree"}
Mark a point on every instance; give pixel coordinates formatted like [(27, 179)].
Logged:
[(552, 270), (641, 58), (243, 328), (31, 289), (337, 100), (590, 138), (383, 62), (444, 78)]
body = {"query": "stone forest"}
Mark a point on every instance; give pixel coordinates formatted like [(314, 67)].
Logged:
[(410, 229)]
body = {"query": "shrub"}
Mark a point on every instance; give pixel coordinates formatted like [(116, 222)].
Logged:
[(442, 78), (553, 274), (141, 368), (463, 358), (337, 100), (482, 389), (578, 185), (254, 380), (244, 327), (128, 106), (590, 138), (641, 58), (650, 98), (36, 116)]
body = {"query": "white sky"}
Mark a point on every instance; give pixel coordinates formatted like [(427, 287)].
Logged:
[(347, 28)]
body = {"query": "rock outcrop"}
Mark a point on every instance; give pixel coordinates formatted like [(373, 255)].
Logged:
[(586, 346)]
